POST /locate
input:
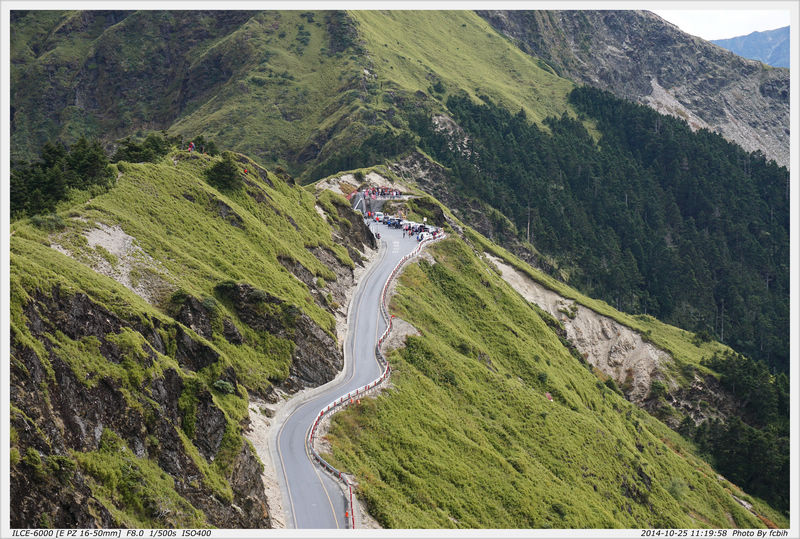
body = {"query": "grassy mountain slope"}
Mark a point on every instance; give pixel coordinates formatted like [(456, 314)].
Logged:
[(676, 341), (134, 402), (166, 207), (242, 77), (293, 95), (155, 382), (413, 50), (105, 74), (745, 270), (467, 438), (299, 89)]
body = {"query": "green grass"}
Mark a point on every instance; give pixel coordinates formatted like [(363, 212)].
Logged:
[(411, 49), (90, 366), (149, 204), (246, 82), (466, 438), (36, 267), (195, 249), (49, 46), (183, 227), (283, 94), (676, 341), (135, 490)]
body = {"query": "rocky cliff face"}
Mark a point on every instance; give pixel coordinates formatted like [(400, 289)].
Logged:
[(315, 356), (639, 56), (91, 441), (129, 401)]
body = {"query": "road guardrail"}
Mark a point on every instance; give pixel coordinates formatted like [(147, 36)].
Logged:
[(346, 400)]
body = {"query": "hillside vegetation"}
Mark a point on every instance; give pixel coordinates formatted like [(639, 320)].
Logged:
[(316, 92), (443, 52), (153, 292), (467, 436), (654, 218), (260, 82), (140, 320), (702, 389)]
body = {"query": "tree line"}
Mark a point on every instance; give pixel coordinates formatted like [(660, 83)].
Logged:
[(37, 186), (752, 451), (652, 218)]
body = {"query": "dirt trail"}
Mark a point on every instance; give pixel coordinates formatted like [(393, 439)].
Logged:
[(615, 349)]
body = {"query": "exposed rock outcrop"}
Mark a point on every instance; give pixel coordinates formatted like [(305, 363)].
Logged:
[(195, 316), (66, 410), (114, 253), (231, 332), (639, 56), (193, 354), (316, 358), (613, 348), (624, 355)]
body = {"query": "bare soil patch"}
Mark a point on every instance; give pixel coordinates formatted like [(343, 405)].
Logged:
[(615, 349)]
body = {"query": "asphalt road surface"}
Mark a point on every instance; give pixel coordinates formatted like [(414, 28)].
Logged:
[(312, 497)]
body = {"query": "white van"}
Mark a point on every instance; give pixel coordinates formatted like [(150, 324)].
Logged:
[(378, 216)]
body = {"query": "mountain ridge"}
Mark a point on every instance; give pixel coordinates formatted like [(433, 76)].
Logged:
[(148, 308), (288, 60), (639, 56), (768, 46)]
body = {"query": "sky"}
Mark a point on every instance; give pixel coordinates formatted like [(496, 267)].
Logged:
[(724, 22)]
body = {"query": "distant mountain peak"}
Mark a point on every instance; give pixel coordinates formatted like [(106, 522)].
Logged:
[(769, 46)]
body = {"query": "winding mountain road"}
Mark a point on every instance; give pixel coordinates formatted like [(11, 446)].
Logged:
[(312, 497)]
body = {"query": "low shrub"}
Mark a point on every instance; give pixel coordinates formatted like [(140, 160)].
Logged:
[(224, 174), (224, 386), (657, 389)]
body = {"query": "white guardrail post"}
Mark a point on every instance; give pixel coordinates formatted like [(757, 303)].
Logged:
[(346, 400)]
